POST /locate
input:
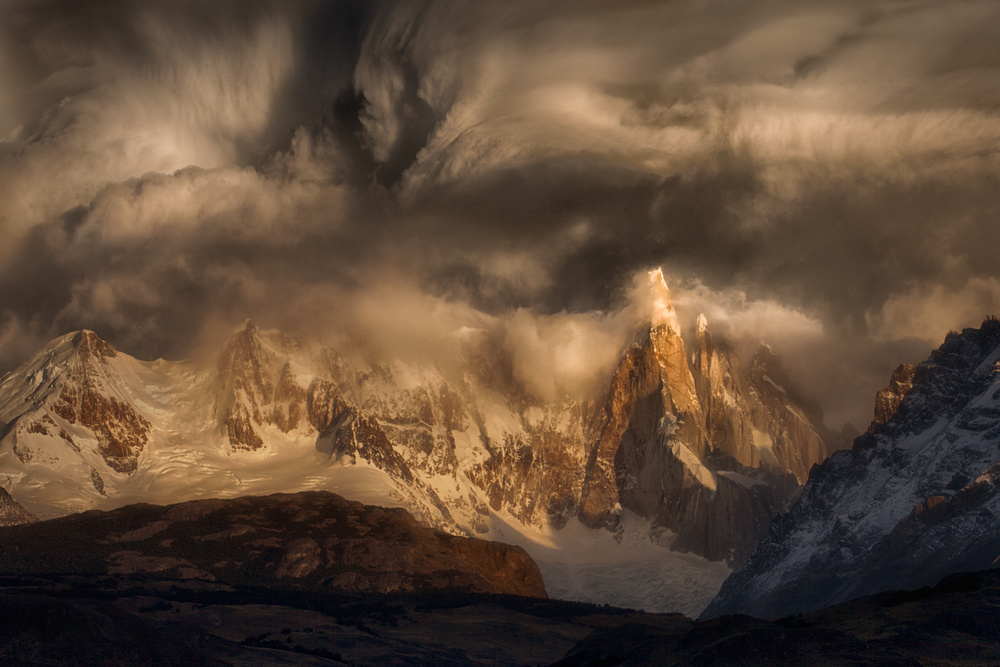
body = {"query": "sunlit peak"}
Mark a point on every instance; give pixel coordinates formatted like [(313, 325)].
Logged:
[(662, 310)]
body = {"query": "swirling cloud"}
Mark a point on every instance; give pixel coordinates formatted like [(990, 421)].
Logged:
[(821, 174)]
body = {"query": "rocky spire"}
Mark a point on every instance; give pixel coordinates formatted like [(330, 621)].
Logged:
[(731, 408), (651, 428)]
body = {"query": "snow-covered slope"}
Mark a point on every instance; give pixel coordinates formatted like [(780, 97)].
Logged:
[(918, 497), (86, 426)]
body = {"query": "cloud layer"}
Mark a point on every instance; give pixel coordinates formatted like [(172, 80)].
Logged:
[(822, 175)]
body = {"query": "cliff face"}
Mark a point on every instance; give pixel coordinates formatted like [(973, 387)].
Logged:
[(652, 408), (795, 441), (732, 408), (917, 498), (704, 449)]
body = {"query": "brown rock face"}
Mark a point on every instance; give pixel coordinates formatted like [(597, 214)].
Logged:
[(257, 388), (939, 509), (361, 436), (312, 540), (122, 433), (636, 378), (239, 427), (89, 345), (653, 403), (887, 400), (669, 435), (247, 387), (534, 475), (731, 406), (325, 406)]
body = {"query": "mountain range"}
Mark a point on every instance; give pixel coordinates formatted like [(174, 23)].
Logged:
[(700, 450)]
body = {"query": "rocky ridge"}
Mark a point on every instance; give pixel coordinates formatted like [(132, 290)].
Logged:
[(917, 498)]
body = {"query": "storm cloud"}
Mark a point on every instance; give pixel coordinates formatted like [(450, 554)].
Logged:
[(821, 175)]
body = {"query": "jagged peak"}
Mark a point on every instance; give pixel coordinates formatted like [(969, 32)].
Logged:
[(243, 340), (662, 311), (247, 327), (764, 361), (702, 323), (88, 343), (82, 345), (250, 333), (970, 342)]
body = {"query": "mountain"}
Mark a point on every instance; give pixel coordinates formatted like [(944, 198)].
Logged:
[(84, 383), (675, 442), (315, 540), (917, 498), (693, 451)]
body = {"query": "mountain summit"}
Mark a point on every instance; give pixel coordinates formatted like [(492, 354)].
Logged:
[(75, 406)]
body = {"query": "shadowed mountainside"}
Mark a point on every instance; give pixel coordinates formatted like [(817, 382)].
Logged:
[(314, 540), (917, 498)]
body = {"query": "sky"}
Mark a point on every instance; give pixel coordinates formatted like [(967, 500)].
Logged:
[(820, 175)]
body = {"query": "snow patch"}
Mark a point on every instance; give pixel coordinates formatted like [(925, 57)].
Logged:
[(741, 479), (765, 446), (698, 470)]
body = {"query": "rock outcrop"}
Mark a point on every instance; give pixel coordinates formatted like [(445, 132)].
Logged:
[(887, 400), (792, 439), (256, 388), (11, 513)]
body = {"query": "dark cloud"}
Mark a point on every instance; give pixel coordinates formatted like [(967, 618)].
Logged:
[(820, 174)]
